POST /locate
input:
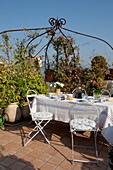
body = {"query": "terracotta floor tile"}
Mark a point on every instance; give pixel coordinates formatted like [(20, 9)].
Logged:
[(43, 147), (58, 146), (39, 154), (48, 166), (29, 168), (37, 163), (81, 167), (52, 151), (3, 167), (59, 168), (28, 158), (18, 165), (3, 142), (56, 160), (8, 162), (20, 154), (45, 157), (2, 158), (8, 152), (60, 155), (66, 151), (66, 164), (12, 146), (7, 138), (33, 145), (35, 153)]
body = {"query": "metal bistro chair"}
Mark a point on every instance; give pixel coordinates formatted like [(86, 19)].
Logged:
[(38, 118), (84, 117), (105, 93)]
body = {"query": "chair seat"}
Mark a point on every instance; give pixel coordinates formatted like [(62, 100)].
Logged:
[(42, 116), (82, 124)]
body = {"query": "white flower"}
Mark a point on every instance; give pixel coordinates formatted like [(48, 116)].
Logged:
[(51, 85), (58, 84)]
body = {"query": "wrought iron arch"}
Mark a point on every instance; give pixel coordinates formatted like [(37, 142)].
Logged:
[(56, 24)]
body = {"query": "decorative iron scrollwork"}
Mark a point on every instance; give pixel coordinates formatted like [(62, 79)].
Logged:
[(57, 22)]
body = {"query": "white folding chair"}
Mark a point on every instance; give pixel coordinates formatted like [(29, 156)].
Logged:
[(105, 93), (38, 117), (84, 117)]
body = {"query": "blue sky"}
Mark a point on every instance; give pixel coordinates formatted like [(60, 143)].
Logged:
[(94, 17)]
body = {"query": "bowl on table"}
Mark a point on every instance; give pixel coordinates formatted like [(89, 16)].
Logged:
[(54, 96), (69, 96)]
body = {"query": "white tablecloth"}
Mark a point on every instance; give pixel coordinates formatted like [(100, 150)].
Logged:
[(60, 109)]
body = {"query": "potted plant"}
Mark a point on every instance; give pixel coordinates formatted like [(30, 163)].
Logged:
[(50, 75), (9, 94), (19, 75), (16, 79), (58, 86), (29, 77)]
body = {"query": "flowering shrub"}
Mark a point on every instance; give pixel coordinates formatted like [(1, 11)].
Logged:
[(97, 85)]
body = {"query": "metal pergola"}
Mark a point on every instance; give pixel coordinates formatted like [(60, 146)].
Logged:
[(55, 24)]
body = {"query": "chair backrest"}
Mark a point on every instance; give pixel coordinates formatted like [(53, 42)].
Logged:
[(30, 96), (105, 93), (84, 111)]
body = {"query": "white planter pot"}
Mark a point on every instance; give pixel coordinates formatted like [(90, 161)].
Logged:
[(12, 113)]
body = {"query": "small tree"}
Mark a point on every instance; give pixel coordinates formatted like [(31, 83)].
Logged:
[(64, 48), (6, 48), (99, 66)]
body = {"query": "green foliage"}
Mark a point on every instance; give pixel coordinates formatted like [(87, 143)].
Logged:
[(74, 75), (16, 79), (64, 50), (1, 121), (22, 74), (6, 48), (20, 52), (99, 66), (8, 82)]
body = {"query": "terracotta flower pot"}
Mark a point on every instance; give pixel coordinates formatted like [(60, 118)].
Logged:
[(12, 113), (25, 111)]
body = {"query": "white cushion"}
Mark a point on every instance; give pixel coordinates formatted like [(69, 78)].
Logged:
[(42, 116), (82, 124)]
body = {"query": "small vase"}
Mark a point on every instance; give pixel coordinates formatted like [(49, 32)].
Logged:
[(58, 90), (97, 96)]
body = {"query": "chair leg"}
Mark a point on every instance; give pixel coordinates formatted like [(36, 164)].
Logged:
[(32, 136), (40, 129), (72, 139), (92, 161), (43, 133), (96, 150)]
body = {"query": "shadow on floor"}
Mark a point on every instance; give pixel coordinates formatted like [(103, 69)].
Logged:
[(59, 136), (11, 162)]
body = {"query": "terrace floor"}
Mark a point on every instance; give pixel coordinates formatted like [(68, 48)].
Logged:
[(41, 156)]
